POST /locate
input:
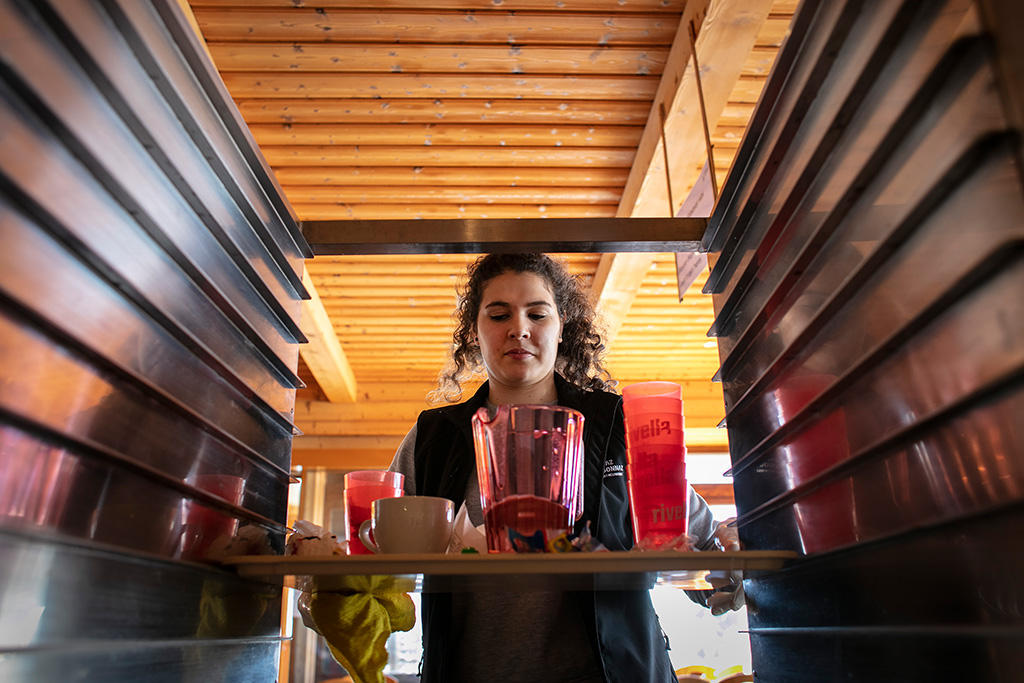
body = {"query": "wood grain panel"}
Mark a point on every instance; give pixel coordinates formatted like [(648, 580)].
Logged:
[(270, 84), (466, 108), (451, 195), (439, 176), (404, 211), (391, 155), (398, 26), (759, 61), (357, 306), (774, 30), (491, 134), (386, 285), (596, 6), (577, 263), (785, 7), (675, 332), (418, 110), (746, 90), (736, 114), (726, 38), (498, 59)]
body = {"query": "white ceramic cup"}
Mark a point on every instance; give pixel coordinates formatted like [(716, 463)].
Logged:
[(409, 524)]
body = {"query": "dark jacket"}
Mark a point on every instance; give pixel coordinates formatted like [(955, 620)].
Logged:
[(622, 624)]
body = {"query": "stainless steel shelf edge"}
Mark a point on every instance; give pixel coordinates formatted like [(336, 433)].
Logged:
[(467, 236), (484, 565)]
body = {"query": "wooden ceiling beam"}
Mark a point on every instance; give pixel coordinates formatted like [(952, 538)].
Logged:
[(576, 261), (468, 194), (724, 41), (393, 155), (613, 6), (328, 212), (490, 59), (726, 33), (443, 26), (268, 85), (452, 110), (419, 134), (323, 354), (391, 176), (615, 284), (619, 276)]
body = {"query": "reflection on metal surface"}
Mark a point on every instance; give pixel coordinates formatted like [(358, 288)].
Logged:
[(961, 465), (148, 290), (238, 661), (913, 148), (127, 336), (185, 149), (73, 106), (63, 390), (99, 597), (895, 41), (904, 271), (46, 487), (171, 37), (912, 360), (458, 236), (870, 320), (806, 61)]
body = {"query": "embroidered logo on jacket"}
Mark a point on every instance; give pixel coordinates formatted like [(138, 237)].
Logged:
[(612, 469)]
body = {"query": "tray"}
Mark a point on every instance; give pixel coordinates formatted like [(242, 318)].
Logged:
[(570, 571)]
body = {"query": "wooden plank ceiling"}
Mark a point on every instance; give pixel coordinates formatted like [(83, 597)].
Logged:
[(397, 109)]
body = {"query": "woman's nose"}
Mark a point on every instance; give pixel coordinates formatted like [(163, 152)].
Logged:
[(518, 330)]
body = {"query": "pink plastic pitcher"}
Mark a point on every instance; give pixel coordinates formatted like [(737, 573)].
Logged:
[(529, 461)]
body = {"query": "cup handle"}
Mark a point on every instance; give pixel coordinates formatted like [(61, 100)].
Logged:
[(364, 536)]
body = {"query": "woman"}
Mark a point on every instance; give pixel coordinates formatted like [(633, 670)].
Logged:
[(527, 321)]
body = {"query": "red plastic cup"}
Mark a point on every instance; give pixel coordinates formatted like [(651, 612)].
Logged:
[(651, 390), (824, 517), (656, 404), (655, 461), (361, 489), (202, 524), (364, 477), (655, 428)]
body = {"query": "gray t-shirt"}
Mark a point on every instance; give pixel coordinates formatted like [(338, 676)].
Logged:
[(534, 636)]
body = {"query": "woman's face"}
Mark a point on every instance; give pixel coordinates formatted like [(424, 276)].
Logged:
[(518, 330)]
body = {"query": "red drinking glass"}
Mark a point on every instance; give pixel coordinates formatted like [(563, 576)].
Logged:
[(362, 487)]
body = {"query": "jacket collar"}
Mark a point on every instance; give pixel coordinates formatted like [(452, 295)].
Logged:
[(568, 394)]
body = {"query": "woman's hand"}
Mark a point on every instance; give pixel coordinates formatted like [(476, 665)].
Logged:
[(728, 595), (727, 536)]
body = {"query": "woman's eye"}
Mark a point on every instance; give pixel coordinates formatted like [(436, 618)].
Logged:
[(537, 316), (499, 317)]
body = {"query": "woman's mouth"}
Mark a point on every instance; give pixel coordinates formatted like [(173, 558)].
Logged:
[(518, 354)]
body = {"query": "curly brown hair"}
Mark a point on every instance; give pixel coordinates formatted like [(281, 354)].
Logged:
[(580, 352)]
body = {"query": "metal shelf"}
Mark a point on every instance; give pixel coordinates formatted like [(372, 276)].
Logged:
[(600, 570)]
